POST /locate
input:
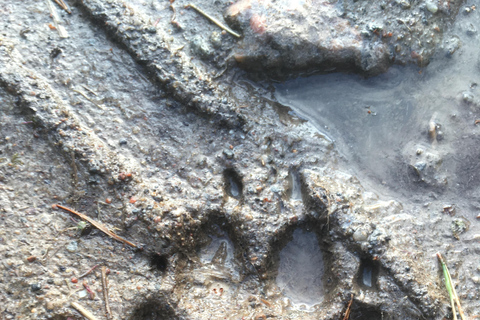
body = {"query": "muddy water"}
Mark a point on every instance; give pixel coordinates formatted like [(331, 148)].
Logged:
[(411, 130), (301, 270)]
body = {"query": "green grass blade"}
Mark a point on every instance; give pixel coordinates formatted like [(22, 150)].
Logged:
[(448, 284)]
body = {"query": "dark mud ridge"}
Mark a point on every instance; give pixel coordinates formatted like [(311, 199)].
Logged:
[(142, 120)]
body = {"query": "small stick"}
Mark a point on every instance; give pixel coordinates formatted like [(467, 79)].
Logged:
[(87, 314), (56, 20), (60, 4), (65, 7), (88, 272), (174, 14), (108, 312), (86, 97), (349, 309), (89, 90), (90, 292), (209, 17), (97, 225), (268, 304), (74, 166)]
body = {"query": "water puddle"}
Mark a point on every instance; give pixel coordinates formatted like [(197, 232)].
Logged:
[(300, 271), (294, 187), (219, 252), (233, 184), (368, 274), (407, 129)]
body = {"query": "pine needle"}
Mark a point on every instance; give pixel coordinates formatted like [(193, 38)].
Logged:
[(98, 225)]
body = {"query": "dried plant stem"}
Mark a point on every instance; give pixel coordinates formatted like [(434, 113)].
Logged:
[(88, 272), (87, 314), (98, 225), (108, 312), (349, 309), (209, 17), (86, 97)]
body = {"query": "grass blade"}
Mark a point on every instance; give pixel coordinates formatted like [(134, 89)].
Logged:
[(451, 289)]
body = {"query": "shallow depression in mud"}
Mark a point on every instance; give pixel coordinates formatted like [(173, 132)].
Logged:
[(409, 128), (301, 269)]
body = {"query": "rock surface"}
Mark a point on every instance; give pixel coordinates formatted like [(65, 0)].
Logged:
[(290, 37), (211, 185)]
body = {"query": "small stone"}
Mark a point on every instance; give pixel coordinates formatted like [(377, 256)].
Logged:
[(49, 305), (72, 246), (157, 198), (200, 48), (82, 294), (468, 97), (122, 141), (216, 39), (31, 258), (360, 235), (471, 30), (228, 153), (476, 280), (35, 287), (50, 281), (432, 7), (405, 4), (62, 268)]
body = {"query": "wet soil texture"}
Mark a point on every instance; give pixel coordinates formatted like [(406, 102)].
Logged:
[(291, 37), (136, 115)]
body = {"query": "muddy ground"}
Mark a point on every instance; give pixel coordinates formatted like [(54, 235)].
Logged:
[(144, 117)]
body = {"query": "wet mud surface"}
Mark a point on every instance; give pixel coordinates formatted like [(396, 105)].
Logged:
[(238, 207)]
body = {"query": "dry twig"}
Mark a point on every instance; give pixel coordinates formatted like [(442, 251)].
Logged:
[(88, 272), (108, 312), (98, 225), (349, 309), (86, 97), (87, 314), (209, 17)]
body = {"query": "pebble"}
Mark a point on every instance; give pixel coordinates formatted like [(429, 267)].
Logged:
[(228, 153), (82, 294), (216, 39), (122, 141), (35, 286), (468, 97), (31, 258), (476, 280), (360, 235), (432, 7), (471, 30), (405, 4), (72, 246), (49, 305)]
